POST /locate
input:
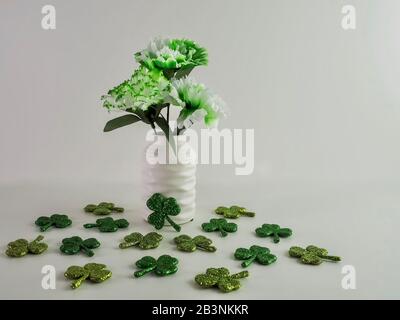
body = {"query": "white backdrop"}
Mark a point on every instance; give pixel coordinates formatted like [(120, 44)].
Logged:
[(323, 101)]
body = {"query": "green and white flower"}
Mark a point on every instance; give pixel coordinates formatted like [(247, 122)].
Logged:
[(197, 103), (144, 89), (166, 54)]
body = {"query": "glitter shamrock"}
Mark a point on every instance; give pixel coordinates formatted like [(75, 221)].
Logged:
[(55, 220), (162, 208), (75, 244), (21, 247), (234, 212), (312, 255), (220, 278), (94, 272), (171, 55), (108, 224), (255, 253), (188, 244), (273, 230), (163, 266), (103, 208), (220, 225), (149, 241)]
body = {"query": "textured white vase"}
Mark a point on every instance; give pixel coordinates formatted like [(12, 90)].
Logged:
[(174, 177)]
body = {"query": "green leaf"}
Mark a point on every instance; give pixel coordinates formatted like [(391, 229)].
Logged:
[(121, 122), (183, 72), (163, 124)]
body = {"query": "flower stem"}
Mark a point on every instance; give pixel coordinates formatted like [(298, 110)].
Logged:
[(248, 214), (142, 272), (240, 275), (77, 283), (124, 245), (87, 251), (173, 224), (39, 238), (207, 248), (248, 262), (331, 258), (223, 232), (90, 225), (276, 238)]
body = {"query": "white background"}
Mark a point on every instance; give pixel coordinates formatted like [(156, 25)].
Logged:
[(324, 103)]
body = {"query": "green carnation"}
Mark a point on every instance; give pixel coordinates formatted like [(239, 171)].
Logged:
[(173, 54), (144, 89), (197, 103)]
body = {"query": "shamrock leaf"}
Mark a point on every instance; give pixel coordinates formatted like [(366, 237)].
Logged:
[(255, 253), (55, 220), (108, 224), (220, 225), (312, 255), (103, 208), (273, 230), (162, 208), (21, 247), (234, 212), (188, 244), (163, 266), (95, 272), (149, 241), (75, 244), (220, 278)]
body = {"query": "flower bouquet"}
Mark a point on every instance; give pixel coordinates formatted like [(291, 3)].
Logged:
[(160, 83)]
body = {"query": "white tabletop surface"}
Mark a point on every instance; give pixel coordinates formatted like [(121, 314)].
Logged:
[(357, 222)]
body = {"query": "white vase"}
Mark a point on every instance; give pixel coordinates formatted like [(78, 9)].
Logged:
[(170, 175)]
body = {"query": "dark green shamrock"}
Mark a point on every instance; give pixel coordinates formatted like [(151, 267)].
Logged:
[(260, 254), (273, 230), (220, 278), (103, 208), (163, 266), (21, 247), (220, 225), (108, 224), (149, 241), (162, 208), (188, 244), (234, 212), (312, 255), (95, 272), (55, 220), (75, 244)]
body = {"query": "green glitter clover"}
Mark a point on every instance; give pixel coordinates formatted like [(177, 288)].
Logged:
[(21, 247), (162, 208), (108, 224), (188, 244), (312, 255), (220, 278), (273, 230), (220, 225), (172, 55), (94, 272), (255, 253), (165, 265), (234, 212), (55, 220), (75, 244), (103, 208), (149, 241)]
